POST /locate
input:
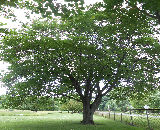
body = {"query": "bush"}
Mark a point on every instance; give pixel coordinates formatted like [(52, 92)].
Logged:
[(72, 105), (30, 103)]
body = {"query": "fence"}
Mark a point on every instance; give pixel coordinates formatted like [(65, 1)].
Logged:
[(147, 118)]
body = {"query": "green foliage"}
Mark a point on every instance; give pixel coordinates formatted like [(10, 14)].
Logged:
[(30, 103), (152, 101), (56, 105), (116, 105), (2, 100), (9, 3), (40, 51), (123, 105), (0, 104), (105, 99), (111, 105), (1, 24), (150, 8), (72, 105)]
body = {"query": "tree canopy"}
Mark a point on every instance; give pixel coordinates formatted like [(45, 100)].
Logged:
[(70, 56)]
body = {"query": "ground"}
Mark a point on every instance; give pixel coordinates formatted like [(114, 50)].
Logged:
[(50, 120)]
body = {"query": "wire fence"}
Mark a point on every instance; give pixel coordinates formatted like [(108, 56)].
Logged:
[(146, 118)]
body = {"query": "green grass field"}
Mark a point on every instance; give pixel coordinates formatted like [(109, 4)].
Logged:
[(137, 120), (50, 120)]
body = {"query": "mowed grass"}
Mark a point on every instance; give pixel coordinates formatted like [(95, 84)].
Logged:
[(51, 120), (137, 120)]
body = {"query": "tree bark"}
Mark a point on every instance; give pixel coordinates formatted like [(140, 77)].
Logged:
[(89, 109), (87, 114)]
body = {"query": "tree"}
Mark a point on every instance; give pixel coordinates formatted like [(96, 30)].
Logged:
[(111, 105), (148, 8), (71, 58), (32, 103), (7, 12), (72, 105), (2, 99), (152, 101), (105, 99), (123, 105)]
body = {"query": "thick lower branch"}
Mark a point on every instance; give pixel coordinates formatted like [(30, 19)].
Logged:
[(77, 86)]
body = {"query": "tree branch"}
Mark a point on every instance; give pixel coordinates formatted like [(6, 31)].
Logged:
[(116, 76), (96, 102), (87, 88), (76, 85), (97, 86), (152, 16)]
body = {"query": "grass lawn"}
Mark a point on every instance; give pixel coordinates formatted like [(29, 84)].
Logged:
[(137, 120), (50, 120)]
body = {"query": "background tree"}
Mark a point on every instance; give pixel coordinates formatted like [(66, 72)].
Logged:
[(72, 105), (111, 105), (152, 101), (105, 99), (123, 105), (71, 58), (2, 100), (117, 105), (29, 103)]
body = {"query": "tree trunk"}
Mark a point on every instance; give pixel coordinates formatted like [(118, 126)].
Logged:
[(87, 114), (89, 109)]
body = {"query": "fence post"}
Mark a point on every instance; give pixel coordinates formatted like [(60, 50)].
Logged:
[(148, 119), (131, 117), (121, 116), (109, 114), (114, 115)]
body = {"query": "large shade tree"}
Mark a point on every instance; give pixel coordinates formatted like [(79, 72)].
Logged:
[(70, 56)]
